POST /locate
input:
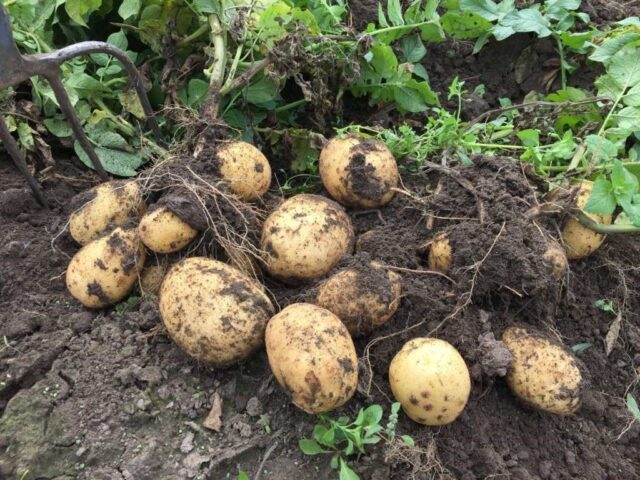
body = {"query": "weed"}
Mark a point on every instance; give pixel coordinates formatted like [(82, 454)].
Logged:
[(123, 307), (266, 425), (607, 306)]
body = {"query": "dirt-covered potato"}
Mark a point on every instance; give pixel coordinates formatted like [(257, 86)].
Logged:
[(104, 271), (364, 298), (430, 380), (213, 311), (358, 172), (312, 357), (578, 240), (557, 259), (163, 231), (305, 237), (440, 254), (105, 206), (542, 374), (151, 278), (245, 168)]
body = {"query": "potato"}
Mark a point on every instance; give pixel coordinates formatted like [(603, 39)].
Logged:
[(104, 271), (542, 374), (358, 172), (557, 260), (305, 238), (364, 299), (430, 380), (245, 168), (440, 254), (163, 231), (578, 240), (151, 279), (108, 205), (213, 311), (312, 357)]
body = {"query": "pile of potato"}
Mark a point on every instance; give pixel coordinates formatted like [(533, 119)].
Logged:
[(219, 315)]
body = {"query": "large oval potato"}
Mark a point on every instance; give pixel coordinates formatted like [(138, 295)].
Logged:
[(214, 312), (542, 374), (358, 172), (107, 205), (105, 270), (363, 298), (245, 168), (430, 380), (578, 240), (163, 231), (312, 357), (305, 237)]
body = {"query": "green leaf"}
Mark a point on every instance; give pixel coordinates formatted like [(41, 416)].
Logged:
[(608, 87), (197, 92), (408, 440), (581, 347), (372, 415), (310, 447), (395, 408), (242, 475), (625, 183), (116, 162), (25, 135), (79, 10), (206, 6), (394, 11), (487, 9), (464, 25), (58, 126), (609, 48), (346, 473), (129, 8), (412, 48), (628, 118), (601, 148), (576, 41), (632, 405), (262, 91), (602, 200), (527, 20), (131, 103), (85, 84), (625, 67), (632, 97), (529, 137)]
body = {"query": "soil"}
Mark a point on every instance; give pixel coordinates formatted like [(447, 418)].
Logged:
[(106, 395)]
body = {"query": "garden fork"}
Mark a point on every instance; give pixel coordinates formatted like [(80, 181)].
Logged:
[(16, 68)]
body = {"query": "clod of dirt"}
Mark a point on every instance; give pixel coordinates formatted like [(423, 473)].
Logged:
[(494, 356)]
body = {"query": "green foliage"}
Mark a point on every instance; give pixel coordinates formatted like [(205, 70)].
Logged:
[(126, 305), (632, 405), (242, 475), (581, 347), (344, 438), (606, 306)]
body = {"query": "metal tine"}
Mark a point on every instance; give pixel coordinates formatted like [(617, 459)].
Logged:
[(18, 158)]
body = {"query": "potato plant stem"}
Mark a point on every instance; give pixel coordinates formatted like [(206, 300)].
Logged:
[(601, 228)]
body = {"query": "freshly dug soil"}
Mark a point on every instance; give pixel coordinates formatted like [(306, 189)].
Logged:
[(106, 395)]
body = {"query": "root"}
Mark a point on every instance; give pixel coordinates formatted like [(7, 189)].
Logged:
[(422, 460)]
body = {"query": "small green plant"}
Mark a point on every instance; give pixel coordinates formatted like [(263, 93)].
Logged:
[(125, 306), (343, 438), (266, 425), (242, 475), (607, 306)]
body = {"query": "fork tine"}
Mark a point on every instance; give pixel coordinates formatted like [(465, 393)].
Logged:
[(74, 121), (18, 159)]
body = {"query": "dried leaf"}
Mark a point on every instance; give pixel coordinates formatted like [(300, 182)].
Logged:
[(214, 419), (613, 333)]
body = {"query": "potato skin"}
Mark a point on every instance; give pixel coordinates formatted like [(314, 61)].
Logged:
[(363, 300), (111, 204), (162, 231), (430, 380), (542, 374), (578, 240), (440, 254), (245, 168), (557, 259), (214, 312), (104, 271), (312, 357), (151, 279), (305, 237), (358, 172)]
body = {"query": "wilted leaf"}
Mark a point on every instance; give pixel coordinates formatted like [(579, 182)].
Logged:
[(214, 418), (612, 335)]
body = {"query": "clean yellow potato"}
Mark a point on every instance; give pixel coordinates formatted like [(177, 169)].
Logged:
[(578, 240), (542, 374), (151, 279), (245, 168), (104, 271), (358, 172), (440, 254), (305, 237), (557, 259), (312, 357), (430, 380), (108, 205), (213, 311), (163, 231), (363, 298)]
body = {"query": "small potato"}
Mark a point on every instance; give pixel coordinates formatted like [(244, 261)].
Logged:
[(358, 172), (214, 312), (312, 357), (440, 253), (245, 168), (430, 380), (305, 237), (151, 279), (104, 271), (557, 260), (542, 374), (363, 298), (578, 240), (163, 231), (107, 205)]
